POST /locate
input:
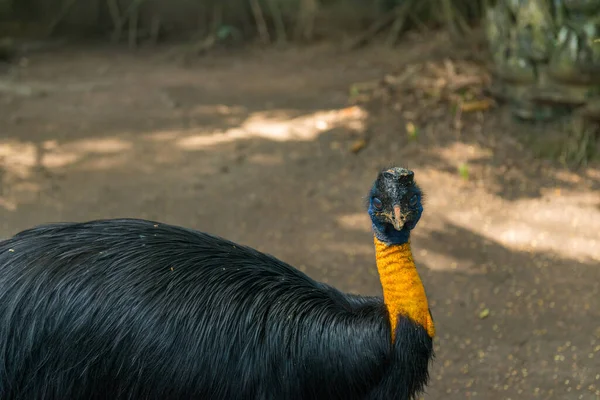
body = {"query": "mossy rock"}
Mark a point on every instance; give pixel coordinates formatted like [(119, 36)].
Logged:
[(545, 58)]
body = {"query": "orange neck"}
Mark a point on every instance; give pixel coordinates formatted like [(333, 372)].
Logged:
[(403, 291)]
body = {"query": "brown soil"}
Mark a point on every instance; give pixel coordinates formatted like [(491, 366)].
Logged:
[(256, 146)]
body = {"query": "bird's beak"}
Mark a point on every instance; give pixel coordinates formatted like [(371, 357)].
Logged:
[(398, 220)]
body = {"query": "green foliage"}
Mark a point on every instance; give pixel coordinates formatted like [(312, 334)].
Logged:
[(463, 171), (412, 131)]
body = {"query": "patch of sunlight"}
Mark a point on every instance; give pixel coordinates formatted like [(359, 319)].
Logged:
[(356, 221), (463, 152), (24, 191), (20, 161), (571, 197), (18, 158), (58, 156), (567, 176), (553, 227), (433, 260), (7, 204), (593, 173), (101, 146), (59, 159), (280, 128), (200, 141)]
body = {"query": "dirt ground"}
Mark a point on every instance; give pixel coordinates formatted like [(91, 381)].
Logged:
[(255, 146)]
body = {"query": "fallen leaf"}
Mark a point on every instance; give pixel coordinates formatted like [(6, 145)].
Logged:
[(358, 145), (484, 313), (478, 105), (411, 130), (463, 170), (350, 111)]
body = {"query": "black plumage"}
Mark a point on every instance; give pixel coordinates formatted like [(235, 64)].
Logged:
[(135, 309)]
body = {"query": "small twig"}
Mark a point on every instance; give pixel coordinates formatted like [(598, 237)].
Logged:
[(450, 69), (261, 24), (462, 81), (403, 81), (477, 105)]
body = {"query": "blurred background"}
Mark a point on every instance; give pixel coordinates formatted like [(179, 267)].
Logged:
[(266, 121)]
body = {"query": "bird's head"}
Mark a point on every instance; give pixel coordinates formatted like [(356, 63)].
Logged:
[(395, 205)]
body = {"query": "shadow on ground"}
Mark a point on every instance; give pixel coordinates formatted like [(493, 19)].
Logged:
[(258, 151)]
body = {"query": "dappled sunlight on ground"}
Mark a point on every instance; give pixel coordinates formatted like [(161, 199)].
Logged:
[(562, 222), (550, 226), (463, 152), (261, 151), (281, 128), (20, 160)]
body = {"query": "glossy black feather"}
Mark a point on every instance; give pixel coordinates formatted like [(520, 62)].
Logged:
[(133, 309)]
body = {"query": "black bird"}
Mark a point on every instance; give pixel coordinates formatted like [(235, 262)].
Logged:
[(134, 309)]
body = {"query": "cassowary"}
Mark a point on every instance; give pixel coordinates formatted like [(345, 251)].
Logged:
[(134, 309)]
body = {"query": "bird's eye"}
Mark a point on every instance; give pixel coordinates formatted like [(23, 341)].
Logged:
[(377, 203), (413, 200)]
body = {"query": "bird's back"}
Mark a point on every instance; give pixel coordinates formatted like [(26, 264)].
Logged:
[(132, 309)]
